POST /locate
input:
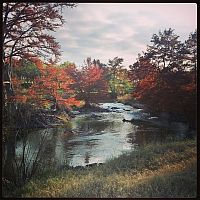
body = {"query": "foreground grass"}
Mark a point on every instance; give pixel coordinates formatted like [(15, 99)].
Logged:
[(161, 170)]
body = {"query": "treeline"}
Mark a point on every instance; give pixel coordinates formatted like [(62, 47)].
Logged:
[(164, 76), (44, 85)]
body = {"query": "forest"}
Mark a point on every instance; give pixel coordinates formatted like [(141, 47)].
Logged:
[(39, 92)]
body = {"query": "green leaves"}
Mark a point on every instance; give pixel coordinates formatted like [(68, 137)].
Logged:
[(164, 51), (26, 70)]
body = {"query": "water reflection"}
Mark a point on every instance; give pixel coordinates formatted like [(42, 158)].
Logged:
[(91, 140), (87, 158), (22, 155), (147, 134)]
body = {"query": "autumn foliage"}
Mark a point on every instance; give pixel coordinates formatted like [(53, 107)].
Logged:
[(91, 85), (52, 87), (58, 87), (170, 86)]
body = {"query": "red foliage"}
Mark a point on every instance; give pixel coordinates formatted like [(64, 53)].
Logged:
[(91, 84), (53, 85), (54, 82), (169, 92)]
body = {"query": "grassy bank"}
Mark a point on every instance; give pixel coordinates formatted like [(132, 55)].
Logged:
[(159, 170)]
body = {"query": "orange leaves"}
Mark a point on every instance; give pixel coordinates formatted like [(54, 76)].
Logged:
[(38, 63), (95, 73), (18, 98), (61, 85), (16, 82), (148, 82), (69, 102), (53, 82), (91, 74), (167, 91), (91, 83), (137, 95), (52, 86), (31, 92), (189, 87)]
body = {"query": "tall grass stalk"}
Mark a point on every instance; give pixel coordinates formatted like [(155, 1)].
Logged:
[(159, 170)]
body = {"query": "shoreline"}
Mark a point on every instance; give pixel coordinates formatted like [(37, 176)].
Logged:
[(170, 165)]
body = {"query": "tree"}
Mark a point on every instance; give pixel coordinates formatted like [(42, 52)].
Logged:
[(166, 50), (90, 83), (141, 68), (66, 64), (165, 89), (170, 92), (190, 56), (53, 87), (25, 70), (115, 65), (25, 27)]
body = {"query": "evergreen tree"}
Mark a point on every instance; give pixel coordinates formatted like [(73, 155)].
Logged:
[(166, 50)]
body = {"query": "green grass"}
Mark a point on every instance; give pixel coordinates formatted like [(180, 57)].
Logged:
[(159, 170)]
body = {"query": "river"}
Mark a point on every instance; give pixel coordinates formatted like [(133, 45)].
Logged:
[(93, 138)]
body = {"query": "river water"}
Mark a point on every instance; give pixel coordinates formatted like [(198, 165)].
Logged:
[(93, 138)]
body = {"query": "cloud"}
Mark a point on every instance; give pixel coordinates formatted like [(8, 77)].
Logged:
[(104, 30)]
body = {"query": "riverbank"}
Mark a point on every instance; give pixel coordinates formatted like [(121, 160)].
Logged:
[(155, 170)]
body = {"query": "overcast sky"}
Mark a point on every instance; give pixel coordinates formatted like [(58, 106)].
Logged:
[(106, 30)]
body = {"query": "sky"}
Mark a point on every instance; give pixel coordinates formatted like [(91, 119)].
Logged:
[(106, 30)]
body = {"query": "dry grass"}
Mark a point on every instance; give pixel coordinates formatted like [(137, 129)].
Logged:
[(167, 170)]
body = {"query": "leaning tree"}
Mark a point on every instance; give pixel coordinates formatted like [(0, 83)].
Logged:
[(26, 28)]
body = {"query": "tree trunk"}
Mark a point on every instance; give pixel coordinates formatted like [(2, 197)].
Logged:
[(7, 84), (9, 168)]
